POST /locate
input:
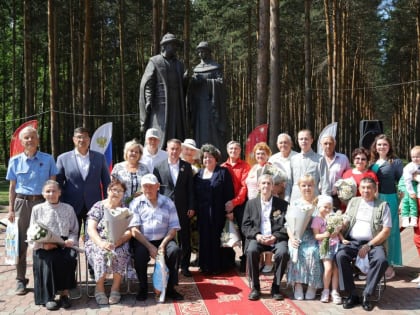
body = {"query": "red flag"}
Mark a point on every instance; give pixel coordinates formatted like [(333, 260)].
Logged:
[(259, 134), (15, 146)]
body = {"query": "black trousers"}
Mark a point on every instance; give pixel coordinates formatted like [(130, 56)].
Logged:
[(142, 257), (281, 257), (54, 270), (377, 262)]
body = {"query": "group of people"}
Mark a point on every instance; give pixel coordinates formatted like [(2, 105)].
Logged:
[(165, 190)]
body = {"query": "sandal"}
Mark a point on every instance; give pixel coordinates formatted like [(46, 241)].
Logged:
[(101, 298), (114, 297)]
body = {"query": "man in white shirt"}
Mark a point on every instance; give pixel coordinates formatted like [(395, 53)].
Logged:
[(282, 158), (337, 164), (152, 154), (368, 229)]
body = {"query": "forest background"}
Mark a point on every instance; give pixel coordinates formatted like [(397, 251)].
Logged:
[(292, 64)]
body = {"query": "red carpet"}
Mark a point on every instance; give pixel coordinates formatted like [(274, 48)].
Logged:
[(228, 294)]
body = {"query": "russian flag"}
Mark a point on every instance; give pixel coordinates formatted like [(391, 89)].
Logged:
[(102, 142)]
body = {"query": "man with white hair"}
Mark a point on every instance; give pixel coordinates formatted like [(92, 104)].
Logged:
[(282, 158), (154, 226), (337, 164), (27, 173), (152, 154)]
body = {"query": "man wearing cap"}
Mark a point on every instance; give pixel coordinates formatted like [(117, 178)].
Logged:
[(27, 173), (206, 100), (154, 226), (162, 104), (152, 154), (176, 182), (239, 170)]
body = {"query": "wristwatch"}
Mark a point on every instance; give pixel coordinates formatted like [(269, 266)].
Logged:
[(370, 245)]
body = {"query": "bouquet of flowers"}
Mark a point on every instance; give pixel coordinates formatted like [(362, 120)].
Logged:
[(335, 221), (116, 222), (346, 189), (39, 233), (298, 217), (230, 235)]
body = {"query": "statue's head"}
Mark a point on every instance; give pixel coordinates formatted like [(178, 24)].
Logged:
[(203, 50), (169, 45)]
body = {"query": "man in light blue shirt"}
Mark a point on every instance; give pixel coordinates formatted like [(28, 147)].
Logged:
[(154, 227), (27, 173)]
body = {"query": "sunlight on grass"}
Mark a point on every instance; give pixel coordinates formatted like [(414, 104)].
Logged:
[(4, 187)]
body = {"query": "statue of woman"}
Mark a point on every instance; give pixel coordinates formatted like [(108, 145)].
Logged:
[(207, 100)]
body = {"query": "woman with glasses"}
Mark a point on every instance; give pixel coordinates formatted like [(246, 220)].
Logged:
[(131, 170), (360, 170), (104, 256)]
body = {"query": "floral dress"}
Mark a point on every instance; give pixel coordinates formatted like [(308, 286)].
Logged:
[(308, 269), (102, 260)]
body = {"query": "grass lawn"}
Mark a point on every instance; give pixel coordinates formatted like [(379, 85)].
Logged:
[(4, 187)]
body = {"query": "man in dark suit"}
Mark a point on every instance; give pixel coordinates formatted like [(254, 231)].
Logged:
[(83, 175), (176, 182), (264, 230)]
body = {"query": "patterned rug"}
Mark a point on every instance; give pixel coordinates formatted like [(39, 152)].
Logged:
[(228, 294)]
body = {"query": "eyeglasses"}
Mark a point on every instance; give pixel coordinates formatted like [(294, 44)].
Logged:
[(117, 191), (360, 159)]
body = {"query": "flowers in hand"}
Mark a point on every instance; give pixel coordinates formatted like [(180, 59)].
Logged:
[(276, 214), (335, 221), (36, 232), (346, 189)]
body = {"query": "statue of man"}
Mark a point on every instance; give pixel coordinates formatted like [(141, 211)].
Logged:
[(206, 99), (162, 97)]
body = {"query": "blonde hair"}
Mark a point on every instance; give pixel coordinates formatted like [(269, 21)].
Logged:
[(130, 144)]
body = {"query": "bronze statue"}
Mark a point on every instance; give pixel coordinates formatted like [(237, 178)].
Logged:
[(206, 100), (162, 97)]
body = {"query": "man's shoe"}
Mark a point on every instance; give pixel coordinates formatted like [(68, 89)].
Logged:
[(65, 301), (351, 301), (186, 272), (366, 304), (52, 306), (254, 295), (141, 295), (21, 287), (275, 293), (174, 295)]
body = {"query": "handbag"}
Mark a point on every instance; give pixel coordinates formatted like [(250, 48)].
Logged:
[(230, 236), (12, 243)]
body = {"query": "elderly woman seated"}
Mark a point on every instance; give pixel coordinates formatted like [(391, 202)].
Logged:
[(104, 256), (54, 264)]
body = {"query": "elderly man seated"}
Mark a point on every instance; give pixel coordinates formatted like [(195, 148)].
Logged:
[(369, 227), (264, 230), (153, 227)]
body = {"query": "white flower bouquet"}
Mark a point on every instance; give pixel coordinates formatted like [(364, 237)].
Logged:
[(39, 233), (346, 189), (230, 235), (335, 221), (116, 222), (297, 218)]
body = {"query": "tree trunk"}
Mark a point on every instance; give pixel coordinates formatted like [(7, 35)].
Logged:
[(27, 47), (52, 76), (155, 22), (164, 25), (122, 66), (262, 63), (86, 62), (308, 67), (417, 104), (274, 120)]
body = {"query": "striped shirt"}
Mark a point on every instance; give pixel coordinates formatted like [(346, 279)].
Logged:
[(154, 223)]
